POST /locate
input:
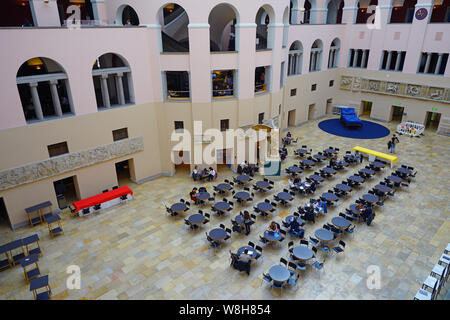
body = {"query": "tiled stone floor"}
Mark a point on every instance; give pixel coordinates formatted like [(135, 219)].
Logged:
[(136, 251)]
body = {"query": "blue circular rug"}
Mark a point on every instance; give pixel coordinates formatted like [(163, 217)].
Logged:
[(369, 130)]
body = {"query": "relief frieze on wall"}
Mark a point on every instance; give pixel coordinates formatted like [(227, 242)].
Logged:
[(14, 177), (408, 90)]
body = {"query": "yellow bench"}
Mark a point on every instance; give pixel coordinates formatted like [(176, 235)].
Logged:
[(376, 154)]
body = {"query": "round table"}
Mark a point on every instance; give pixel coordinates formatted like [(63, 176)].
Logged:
[(264, 206), (279, 273), (330, 196), (370, 197), (289, 219), (324, 235), (357, 179), (217, 234), (308, 162), (329, 170), (316, 178), (272, 236), (340, 222), (378, 164), (222, 206), (285, 196), (262, 184), (351, 157), (342, 163), (367, 171), (404, 170), (319, 157), (343, 187), (203, 196), (242, 195), (395, 179), (302, 253), (178, 207), (196, 218), (224, 187), (294, 169), (251, 251), (353, 208), (302, 151), (243, 178), (330, 151), (382, 188)]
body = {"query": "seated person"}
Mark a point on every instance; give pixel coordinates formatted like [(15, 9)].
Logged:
[(240, 169), (294, 228), (292, 185), (204, 174), (309, 213), (202, 189), (274, 227), (333, 161), (193, 194), (323, 205), (244, 262), (289, 134), (367, 214), (195, 173), (212, 174)]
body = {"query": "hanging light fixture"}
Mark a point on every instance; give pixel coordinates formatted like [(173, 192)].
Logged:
[(35, 63)]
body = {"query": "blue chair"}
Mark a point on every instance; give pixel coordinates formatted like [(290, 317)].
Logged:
[(292, 282), (266, 278)]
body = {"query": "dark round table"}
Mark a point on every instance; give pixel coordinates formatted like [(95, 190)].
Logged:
[(239, 219), (218, 234), (330, 151), (224, 187), (302, 151), (342, 163), (272, 236), (395, 179), (382, 188), (289, 219), (370, 197), (285, 196), (343, 187), (196, 218), (340, 222), (316, 177), (264, 206), (404, 170), (353, 208), (324, 235), (308, 162), (330, 196), (367, 171), (302, 253), (243, 178), (222, 206), (351, 157), (262, 184), (356, 179), (203, 196), (178, 207), (378, 164), (319, 157), (329, 170), (295, 169), (242, 195), (279, 273), (251, 251)]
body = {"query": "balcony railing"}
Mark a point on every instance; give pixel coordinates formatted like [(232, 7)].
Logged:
[(223, 93), (177, 95)]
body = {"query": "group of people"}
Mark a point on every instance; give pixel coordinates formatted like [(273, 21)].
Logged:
[(312, 209), (194, 193), (304, 187), (225, 90), (209, 174), (246, 168)]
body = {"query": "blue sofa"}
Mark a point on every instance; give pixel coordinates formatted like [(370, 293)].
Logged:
[(349, 118)]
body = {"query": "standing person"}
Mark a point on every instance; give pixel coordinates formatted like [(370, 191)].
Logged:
[(247, 222), (394, 141)]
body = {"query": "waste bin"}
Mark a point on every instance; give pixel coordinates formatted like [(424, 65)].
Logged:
[(62, 203)]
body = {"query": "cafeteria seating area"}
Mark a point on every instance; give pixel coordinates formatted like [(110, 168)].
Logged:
[(148, 248)]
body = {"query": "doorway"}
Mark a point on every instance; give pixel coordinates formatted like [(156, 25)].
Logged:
[(123, 172), (366, 107), (291, 118), (4, 218), (181, 161), (311, 111), (397, 114), (329, 106), (66, 191), (432, 121), (223, 160)]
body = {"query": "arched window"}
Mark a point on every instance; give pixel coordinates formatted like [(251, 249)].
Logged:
[(174, 23), (402, 11), (315, 60), (127, 16), (366, 8), (44, 89), (333, 57), (222, 28), (264, 36), (295, 58), (15, 14), (113, 83), (286, 27), (85, 7), (293, 12), (440, 11), (334, 11), (307, 12)]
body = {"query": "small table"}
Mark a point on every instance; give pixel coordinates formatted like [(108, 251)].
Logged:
[(319, 157), (5, 263), (378, 164), (272, 236), (251, 252), (289, 219), (382, 188), (243, 178), (39, 283), (203, 196), (371, 198), (217, 234), (262, 184), (295, 169), (395, 179), (221, 206), (196, 219), (340, 222), (179, 207), (285, 196), (39, 208), (316, 178), (302, 151), (264, 206), (324, 235), (302, 253), (404, 171), (343, 187), (328, 196), (342, 163), (242, 195), (367, 171), (308, 162), (350, 157), (354, 210), (27, 261), (330, 151), (356, 179), (224, 187), (279, 273), (54, 218), (329, 170)]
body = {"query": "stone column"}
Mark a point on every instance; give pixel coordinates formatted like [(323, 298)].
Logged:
[(120, 88), (355, 58), (438, 64), (388, 62), (55, 97), (105, 93), (397, 62), (299, 63), (311, 61), (364, 59), (36, 101), (427, 64)]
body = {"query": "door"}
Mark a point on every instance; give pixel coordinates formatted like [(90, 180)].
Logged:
[(329, 106), (366, 108), (311, 111), (66, 191), (291, 118), (432, 120), (397, 114), (4, 218)]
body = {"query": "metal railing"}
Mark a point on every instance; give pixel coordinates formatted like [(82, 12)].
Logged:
[(223, 93), (175, 95)]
